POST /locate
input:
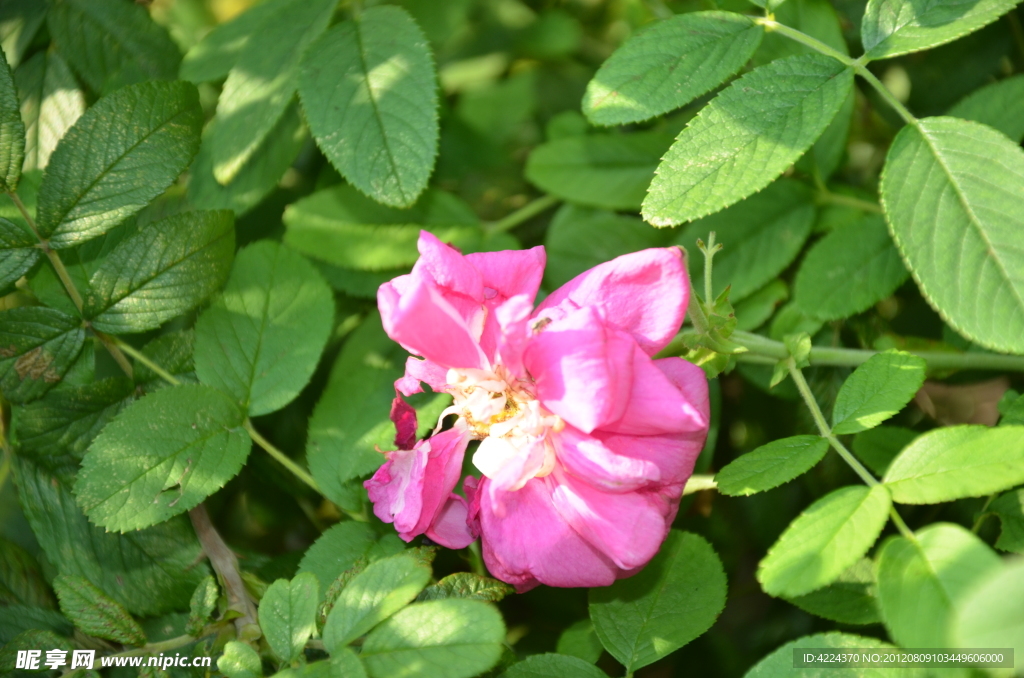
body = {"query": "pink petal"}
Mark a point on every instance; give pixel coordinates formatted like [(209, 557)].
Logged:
[(644, 294), (510, 273), (530, 542), (418, 372), (450, 528), (448, 268), (582, 369), (657, 404), (673, 454), (404, 417), (586, 456)]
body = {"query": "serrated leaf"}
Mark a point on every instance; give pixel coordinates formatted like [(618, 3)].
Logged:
[(215, 55), (850, 599), (990, 615), (877, 447), (341, 546), (999, 105), (37, 347), (33, 639), (957, 461), (950, 189), (580, 238), (466, 585), (760, 236), (894, 27), (261, 339), (19, 253), (51, 102), (674, 599), (553, 666), (373, 595), (779, 663), (165, 269), (201, 606), (21, 582), (443, 638), (877, 390), (161, 456), (771, 465), (369, 90), (848, 271), (341, 226), (921, 582), (67, 419), (148, 572), (12, 131), (580, 640), (111, 43), (611, 171), (668, 65), (123, 152), (288, 615), (240, 661), (262, 83), (828, 537), (258, 176), (746, 137), (21, 618), (1010, 509), (94, 613)]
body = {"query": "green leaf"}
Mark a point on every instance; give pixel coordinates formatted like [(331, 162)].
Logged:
[(580, 640), (19, 253), (876, 390), (51, 102), (1010, 509), (553, 666), (172, 352), (440, 638), (341, 226), (20, 20), (12, 131), (877, 447), (369, 90), (950, 189), (165, 269), (94, 613), (240, 661), (991, 615), (33, 639), (580, 238), (202, 605), (755, 310), (832, 534), (955, 462), (67, 419), (21, 581), (466, 585), (288, 615), (849, 271), (674, 599), (668, 65), (771, 465), (262, 83), (746, 137), (611, 171), (761, 236), (162, 456), (894, 27), (122, 153), (111, 43), (779, 664), (261, 339), (149, 572), (341, 546), (216, 54), (258, 176), (37, 347), (21, 618), (921, 582), (999, 105), (373, 595), (816, 18), (850, 599)]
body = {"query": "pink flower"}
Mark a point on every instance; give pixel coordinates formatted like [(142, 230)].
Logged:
[(585, 440)]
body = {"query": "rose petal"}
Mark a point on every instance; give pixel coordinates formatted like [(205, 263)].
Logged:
[(418, 372), (510, 273), (657, 404), (404, 417), (586, 456), (450, 528)]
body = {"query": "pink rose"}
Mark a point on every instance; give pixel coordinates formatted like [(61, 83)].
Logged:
[(585, 440)]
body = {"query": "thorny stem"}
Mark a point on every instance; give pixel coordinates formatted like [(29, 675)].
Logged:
[(826, 433), (225, 564), (524, 213)]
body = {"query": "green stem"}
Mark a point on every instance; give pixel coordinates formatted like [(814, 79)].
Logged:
[(144, 359), (982, 515), (883, 91), (709, 257), (826, 197), (280, 456), (524, 213), (162, 646), (826, 433)]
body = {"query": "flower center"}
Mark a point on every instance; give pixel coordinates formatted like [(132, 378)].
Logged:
[(513, 428)]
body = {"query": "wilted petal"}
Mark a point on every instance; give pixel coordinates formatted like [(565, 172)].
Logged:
[(404, 418)]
